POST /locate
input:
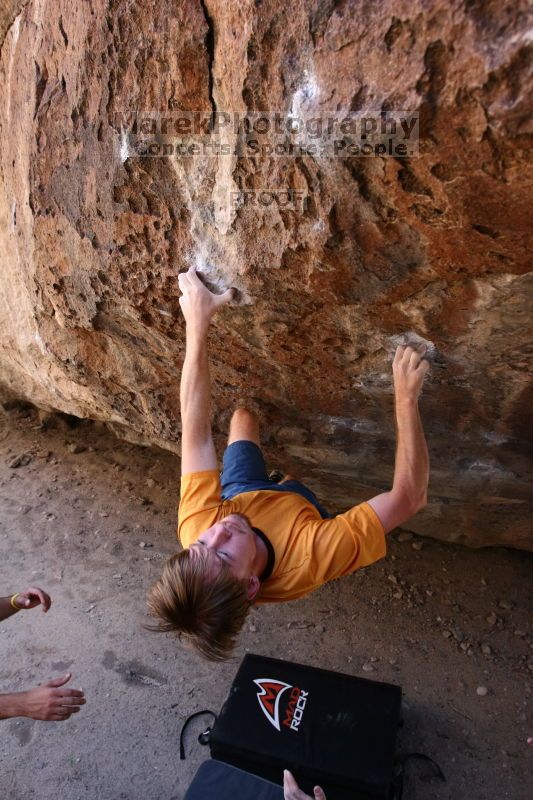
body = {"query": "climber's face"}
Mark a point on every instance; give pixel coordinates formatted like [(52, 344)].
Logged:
[(230, 541)]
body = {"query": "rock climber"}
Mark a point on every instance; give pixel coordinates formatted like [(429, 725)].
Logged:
[(50, 701), (248, 539)]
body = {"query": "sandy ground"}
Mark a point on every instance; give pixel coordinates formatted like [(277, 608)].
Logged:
[(91, 519)]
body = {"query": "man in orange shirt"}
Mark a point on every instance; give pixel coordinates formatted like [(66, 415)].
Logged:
[(248, 539)]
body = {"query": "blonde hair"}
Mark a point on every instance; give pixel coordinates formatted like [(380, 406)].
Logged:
[(208, 611)]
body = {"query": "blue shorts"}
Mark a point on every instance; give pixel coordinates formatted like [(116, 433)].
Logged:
[(244, 470)]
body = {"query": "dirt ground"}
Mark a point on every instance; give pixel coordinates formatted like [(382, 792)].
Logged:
[(92, 519)]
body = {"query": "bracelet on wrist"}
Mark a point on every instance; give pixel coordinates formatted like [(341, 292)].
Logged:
[(13, 603)]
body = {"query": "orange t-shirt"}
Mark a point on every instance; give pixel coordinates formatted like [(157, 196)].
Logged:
[(309, 550)]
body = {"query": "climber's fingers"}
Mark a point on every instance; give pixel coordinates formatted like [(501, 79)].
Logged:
[(225, 297), (196, 300), (400, 350), (423, 368), (193, 278), (190, 279), (183, 280), (416, 356)]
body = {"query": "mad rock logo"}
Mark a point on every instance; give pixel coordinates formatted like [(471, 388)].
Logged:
[(270, 696)]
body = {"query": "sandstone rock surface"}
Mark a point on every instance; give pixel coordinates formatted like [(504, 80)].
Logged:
[(92, 237), (9, 10)]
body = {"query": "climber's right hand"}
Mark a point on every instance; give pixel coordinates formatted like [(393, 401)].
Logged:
[(409, 369), (197, 302)]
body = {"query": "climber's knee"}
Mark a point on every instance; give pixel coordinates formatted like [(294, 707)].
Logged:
[(244, 425)]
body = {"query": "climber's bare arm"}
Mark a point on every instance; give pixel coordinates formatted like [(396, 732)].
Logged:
[(411, 471), (198, 305)]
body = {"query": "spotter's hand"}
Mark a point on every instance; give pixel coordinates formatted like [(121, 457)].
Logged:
[(197, 302), (51, 701), (31, 598), (291, 790)]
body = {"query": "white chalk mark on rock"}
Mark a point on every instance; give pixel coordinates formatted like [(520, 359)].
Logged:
[(124, 146), (15, 31), (308, 91), (413, 340)]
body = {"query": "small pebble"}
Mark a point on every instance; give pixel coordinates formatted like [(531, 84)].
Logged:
[(417, 545), (145, 544), (150, 482), (368, 668), (20, 461), (76, 448), (492, 619), (404, 536), (505, 604), (486, 649), (482, 691), (457, 634)]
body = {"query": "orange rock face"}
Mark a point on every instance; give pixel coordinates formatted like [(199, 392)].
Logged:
[(336, 256)]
